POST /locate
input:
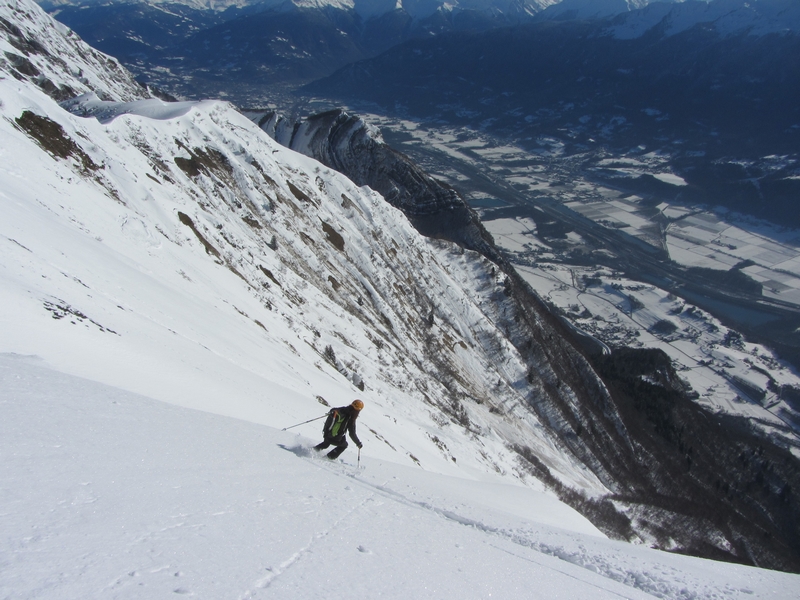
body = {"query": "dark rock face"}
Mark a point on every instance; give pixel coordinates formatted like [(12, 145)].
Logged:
[(346, 143)]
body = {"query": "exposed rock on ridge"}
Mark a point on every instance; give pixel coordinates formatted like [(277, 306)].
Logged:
[(34, 48), (346, 143)]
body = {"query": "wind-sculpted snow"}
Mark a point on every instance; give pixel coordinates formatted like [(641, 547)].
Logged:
[(89, 105)]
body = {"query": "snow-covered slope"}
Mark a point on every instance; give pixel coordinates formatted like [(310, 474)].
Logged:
[(38, 49), (184, 227), (104, 493), (166, 222), (176, 252)]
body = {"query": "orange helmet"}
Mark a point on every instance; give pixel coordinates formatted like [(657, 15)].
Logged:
[(357, 404)]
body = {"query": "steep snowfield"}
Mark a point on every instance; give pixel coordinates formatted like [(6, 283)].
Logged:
[(183, 227), (114, 257), (108, 494)]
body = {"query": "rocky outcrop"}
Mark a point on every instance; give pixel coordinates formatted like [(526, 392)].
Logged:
[(348, 144)]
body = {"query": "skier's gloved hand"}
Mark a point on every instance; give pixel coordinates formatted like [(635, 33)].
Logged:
[(360, 446)]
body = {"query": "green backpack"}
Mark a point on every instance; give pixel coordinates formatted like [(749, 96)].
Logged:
[(336, 424)]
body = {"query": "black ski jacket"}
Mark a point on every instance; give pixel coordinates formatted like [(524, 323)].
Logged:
[(346, 417)]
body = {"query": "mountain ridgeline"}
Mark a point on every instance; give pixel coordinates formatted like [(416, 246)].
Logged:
[(712, 85), (241, 51)]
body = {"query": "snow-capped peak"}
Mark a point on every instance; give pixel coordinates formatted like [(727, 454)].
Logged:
[(596, 9), (365, 8)]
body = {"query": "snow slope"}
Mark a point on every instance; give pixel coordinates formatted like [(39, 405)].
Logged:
[(108, 494), (38, 49), (183, 227)]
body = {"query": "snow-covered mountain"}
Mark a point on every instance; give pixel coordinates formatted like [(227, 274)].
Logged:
[(183, 226), (287, 255), (594, 9), (365, 8), (174, 250), (48, 54), (727, 17), (189, 49)]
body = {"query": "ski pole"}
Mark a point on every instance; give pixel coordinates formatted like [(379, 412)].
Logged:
[(359, 458), (304, 422)]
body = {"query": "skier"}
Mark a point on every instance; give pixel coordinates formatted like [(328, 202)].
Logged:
[(340, 421)]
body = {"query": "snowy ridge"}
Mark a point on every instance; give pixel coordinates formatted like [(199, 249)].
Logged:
[(35, 47), (727, 17)]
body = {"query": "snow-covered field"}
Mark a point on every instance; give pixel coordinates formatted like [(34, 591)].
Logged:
[(707, 354), (720, 240), (622, 312), (695, 236)]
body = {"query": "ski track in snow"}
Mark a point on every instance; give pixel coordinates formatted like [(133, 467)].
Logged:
[(275, 572), (644, 578)]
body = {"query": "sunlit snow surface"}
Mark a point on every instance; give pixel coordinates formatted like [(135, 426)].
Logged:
[(108, 494), (89, 105)]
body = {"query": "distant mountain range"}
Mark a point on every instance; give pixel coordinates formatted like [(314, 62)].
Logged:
[(718, 79), (365, 8), (237, 49)]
